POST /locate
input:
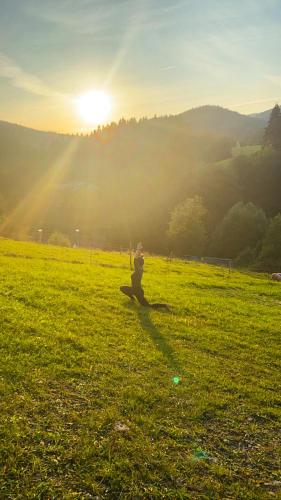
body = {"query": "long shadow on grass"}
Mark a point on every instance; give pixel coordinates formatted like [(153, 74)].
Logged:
[(158, 339)]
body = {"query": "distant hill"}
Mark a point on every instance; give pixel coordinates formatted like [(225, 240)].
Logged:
[(122, 180), (263, 116), (213, 119), (28, 137), (20, 130), (222, 121)]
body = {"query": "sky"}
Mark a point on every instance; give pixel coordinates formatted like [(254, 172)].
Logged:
[(153, 57)]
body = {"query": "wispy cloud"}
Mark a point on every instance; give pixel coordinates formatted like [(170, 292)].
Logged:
[(257, 101), (274, 79), (10, 70)]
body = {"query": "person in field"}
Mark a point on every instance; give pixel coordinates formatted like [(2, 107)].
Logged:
[(136, 290)]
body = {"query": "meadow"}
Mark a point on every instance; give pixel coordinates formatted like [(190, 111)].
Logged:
[(104, 399)]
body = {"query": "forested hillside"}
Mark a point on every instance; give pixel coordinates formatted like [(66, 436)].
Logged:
[(169, 182), (117, 184), (247, 129)]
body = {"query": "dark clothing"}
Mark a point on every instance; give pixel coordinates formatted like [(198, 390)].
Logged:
[(138, 293), (136, 277), (136, 289), (138, 262), (138, 272)]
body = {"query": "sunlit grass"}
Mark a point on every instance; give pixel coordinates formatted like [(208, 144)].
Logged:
[(101, 398)]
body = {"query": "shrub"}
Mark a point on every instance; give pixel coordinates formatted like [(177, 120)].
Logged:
[(59, 239)]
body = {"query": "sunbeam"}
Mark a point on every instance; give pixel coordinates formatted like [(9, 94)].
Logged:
[(27, 212), (128, 38)]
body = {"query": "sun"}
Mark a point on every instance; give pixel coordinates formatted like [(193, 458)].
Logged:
[(94, 107)]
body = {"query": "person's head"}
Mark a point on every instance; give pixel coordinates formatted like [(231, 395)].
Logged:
[(139, 250)]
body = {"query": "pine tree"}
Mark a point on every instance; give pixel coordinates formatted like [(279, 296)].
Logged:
[(272, 134)]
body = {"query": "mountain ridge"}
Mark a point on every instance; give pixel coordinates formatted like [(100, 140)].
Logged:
[(190, 116)]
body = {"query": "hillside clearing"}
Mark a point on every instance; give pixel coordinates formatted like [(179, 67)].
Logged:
[(101, 398)]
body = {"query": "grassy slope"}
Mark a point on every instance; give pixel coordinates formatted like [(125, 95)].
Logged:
[(239, 151), (77, 358), (246, 150)]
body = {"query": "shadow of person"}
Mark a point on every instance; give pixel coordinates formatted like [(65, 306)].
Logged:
[(158, 339)]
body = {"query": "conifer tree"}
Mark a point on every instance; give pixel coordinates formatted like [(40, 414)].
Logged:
[(272, 135)]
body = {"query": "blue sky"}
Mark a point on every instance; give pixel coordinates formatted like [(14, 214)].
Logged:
[(152, 56)]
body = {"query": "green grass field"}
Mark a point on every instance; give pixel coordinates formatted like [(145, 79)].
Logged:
[(101, 398)]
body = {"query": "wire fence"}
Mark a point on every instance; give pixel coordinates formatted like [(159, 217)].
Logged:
[(215, 261)]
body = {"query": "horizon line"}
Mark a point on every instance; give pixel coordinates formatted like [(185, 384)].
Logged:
[(84, 132)]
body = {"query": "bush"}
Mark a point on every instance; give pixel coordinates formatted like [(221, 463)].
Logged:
[(59, 239)]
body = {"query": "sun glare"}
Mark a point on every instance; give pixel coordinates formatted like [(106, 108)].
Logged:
[(94, 107)]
